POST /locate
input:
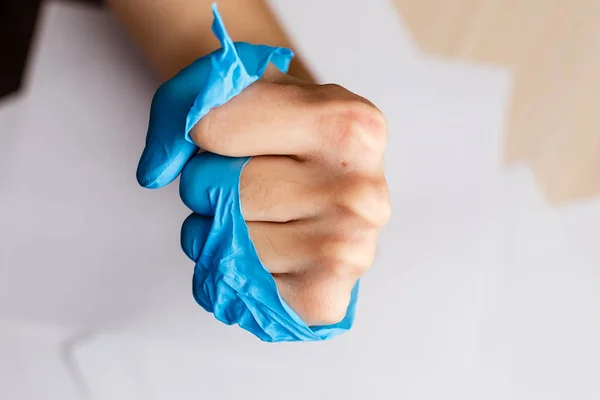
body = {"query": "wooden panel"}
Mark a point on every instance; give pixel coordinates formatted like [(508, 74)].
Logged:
[(553, 47)]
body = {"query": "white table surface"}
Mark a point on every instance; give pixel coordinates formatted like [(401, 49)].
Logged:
[(480, 290)]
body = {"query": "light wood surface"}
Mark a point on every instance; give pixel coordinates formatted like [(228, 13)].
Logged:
[(553, 48)]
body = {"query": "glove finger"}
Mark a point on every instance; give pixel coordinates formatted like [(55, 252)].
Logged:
[(194, 233), (209, 181)]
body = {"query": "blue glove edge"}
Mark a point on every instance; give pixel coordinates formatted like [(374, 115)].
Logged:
[(180, 102)]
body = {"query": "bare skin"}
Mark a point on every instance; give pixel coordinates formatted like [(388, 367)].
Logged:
[(173, 33), (314, 196)]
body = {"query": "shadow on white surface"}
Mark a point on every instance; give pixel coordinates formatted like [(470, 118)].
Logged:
[(31, 363)]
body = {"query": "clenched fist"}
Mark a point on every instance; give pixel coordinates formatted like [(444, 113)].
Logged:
[(314, 196)]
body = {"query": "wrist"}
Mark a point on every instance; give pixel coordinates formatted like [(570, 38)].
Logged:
[(174, 33)]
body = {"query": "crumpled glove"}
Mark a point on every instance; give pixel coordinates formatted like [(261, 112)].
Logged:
[(229, 279)]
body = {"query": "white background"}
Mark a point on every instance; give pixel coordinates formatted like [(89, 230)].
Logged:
[(480, 290)]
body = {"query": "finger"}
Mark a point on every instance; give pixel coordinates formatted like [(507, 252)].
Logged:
[(194, 233), (308, 121), (272, 189), (322, 299), (312, 247), (271, 118), (209, 181), (280, 189), (167, 150), (282, 248), (266, 119)]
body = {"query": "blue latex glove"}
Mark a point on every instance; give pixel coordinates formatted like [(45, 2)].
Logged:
[(179, 103), (229, 278)]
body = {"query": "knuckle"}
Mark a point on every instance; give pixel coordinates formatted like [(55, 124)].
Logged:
[(347, 258), (355, 125), (335, 264), (368, 200)]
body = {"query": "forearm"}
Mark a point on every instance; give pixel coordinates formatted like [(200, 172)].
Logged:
[(173, 33)]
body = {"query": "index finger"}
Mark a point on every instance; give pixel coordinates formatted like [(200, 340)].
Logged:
[(275, 118)]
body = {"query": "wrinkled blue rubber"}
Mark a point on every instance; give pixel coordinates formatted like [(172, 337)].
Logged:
[(179, 103), (229, 279)]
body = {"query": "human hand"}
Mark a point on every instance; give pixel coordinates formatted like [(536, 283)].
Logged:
[(313, 196)]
